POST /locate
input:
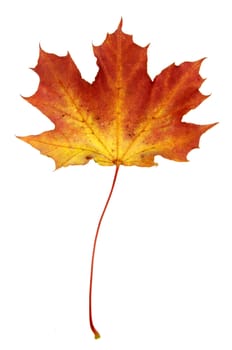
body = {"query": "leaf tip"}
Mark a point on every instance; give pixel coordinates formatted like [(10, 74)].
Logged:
[(41, 51), (120, 24)]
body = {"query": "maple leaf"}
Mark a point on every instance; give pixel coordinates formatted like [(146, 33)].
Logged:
[(122, 118)]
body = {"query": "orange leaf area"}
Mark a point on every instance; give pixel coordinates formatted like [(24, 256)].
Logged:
[(123, 117)]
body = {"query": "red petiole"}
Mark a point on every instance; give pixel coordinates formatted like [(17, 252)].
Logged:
[(96, 333)]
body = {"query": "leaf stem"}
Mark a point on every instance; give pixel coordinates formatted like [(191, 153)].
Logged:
[(96, 333)]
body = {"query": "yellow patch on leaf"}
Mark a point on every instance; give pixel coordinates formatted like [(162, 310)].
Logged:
[(123, 117)]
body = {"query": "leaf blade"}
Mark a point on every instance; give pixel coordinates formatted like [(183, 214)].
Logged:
[(123, 117)]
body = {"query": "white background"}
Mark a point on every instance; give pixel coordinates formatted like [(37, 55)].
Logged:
[(163, 277)]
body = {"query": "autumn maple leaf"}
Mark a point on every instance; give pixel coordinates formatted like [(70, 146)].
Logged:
[(122, 118)]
